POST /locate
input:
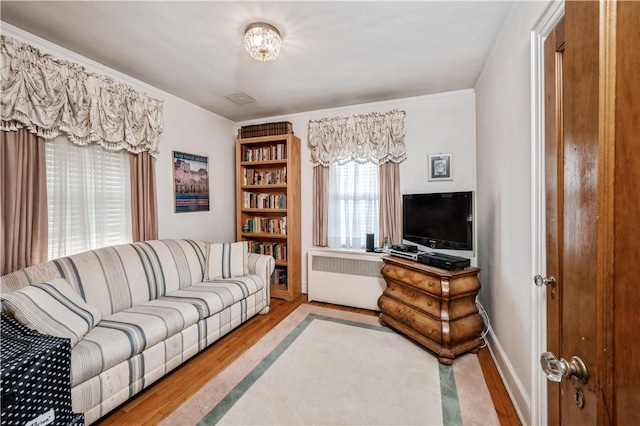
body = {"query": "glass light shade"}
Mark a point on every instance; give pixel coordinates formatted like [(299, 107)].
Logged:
[(262, 41)]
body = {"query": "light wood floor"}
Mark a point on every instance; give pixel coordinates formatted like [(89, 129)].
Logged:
[(158, 401)]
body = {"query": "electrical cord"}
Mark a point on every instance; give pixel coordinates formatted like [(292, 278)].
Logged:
[(486, 322)]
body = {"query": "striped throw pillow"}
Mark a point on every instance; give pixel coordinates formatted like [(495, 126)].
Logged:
[(226, 260), (52, 308)]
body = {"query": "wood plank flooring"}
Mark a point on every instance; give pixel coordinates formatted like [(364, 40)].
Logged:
[(158, 401)]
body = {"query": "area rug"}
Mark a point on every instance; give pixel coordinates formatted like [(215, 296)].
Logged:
[(323, 366)]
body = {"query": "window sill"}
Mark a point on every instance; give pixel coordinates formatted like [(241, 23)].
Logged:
[(361, 252)]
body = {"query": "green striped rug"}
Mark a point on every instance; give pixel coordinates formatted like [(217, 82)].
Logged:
[(323, 366)]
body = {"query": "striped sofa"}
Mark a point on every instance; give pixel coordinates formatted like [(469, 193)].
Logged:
[(134, 312)]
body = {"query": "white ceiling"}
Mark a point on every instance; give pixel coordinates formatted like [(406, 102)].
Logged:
[(334, 53)]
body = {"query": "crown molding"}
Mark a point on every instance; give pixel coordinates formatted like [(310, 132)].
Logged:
[(96, 67), (345, 109)]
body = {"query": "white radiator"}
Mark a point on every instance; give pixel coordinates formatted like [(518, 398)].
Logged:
[(348, 278)]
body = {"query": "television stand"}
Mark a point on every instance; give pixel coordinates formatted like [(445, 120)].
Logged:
[(433, 306)]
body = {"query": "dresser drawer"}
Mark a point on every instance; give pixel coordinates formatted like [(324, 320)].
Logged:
[(420, 280), (415, 298), (412, 318)]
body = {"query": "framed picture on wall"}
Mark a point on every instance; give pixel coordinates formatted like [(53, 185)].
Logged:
[(440, 167), (190, 182)]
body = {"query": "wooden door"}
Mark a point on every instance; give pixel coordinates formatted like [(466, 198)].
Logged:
[(554, 194), (571, 82), (619, 234), (593, 201)]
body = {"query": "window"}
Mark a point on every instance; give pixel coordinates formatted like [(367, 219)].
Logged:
[(354, 204), (88, 197)]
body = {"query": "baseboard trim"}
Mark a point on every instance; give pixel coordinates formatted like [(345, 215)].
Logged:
[(515, 389)]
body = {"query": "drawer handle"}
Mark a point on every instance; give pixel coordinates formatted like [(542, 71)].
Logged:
[(431, 283), (429, 303)]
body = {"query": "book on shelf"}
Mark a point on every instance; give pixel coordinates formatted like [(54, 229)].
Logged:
[(277, 250), (266, 153), (265, 129), (259, 177), (265, 225), (264, 201), (279, 276)]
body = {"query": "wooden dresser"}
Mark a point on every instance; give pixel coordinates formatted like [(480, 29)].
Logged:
[(433, 306)]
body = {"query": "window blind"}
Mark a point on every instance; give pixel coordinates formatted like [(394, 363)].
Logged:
[(354, 203), (88, 197)]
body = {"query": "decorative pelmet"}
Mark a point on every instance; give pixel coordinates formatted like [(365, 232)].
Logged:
[(376, 138), (47, 96)]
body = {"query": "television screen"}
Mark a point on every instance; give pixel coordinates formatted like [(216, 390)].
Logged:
[(440, 220)]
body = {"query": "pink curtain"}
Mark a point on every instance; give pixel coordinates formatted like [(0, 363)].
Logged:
[(390, 203), (144, 206), (23, 192), (320, 206)]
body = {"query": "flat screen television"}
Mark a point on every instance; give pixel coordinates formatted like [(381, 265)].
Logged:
[(439, 220)]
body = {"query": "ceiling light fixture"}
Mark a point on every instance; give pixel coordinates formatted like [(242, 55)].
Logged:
[(262, 41)]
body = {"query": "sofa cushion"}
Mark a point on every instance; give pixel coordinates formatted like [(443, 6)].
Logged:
[(52, 308), (122, 335), (115, 278), (214, 296), (226, 260)]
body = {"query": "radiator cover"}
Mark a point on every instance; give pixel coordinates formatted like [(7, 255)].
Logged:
[(345, 278)]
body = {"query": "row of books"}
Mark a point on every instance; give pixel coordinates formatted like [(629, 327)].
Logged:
[(257, 177), (264, 201), (263, 225), (279, 276), (265, 153), (266, 129), (277, 250)]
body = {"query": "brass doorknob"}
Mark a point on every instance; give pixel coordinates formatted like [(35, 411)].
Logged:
[(555, 369)]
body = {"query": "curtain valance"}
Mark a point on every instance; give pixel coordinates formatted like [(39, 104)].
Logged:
[(46, 95), (376, 138)]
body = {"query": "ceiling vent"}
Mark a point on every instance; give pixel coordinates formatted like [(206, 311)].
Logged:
[(241, 98)]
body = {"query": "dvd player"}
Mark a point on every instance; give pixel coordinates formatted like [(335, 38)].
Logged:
[(406, 254), (443, 261), (405, 248)]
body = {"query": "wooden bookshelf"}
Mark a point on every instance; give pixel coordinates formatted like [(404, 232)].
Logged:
[(268, 206)]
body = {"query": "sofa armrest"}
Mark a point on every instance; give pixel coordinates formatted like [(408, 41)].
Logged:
[(263, 265)]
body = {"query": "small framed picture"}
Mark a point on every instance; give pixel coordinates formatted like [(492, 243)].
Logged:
[(441, 167)]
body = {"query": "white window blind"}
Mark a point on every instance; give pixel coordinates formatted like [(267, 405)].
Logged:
[(88, 197), (354, 204)]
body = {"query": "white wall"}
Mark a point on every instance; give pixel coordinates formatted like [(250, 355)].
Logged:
[(504, 200), (196, 131), (442, 123), (187, 128)]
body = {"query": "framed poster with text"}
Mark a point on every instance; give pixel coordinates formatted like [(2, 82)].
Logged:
[(190, 182)]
